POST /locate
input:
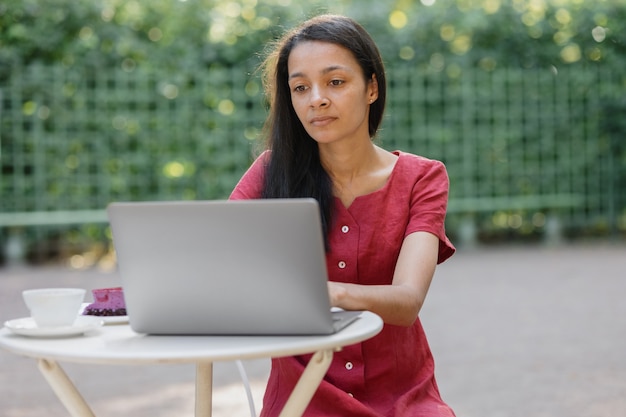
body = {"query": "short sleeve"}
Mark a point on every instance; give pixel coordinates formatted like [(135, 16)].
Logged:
[(250, 186), (428, 205)]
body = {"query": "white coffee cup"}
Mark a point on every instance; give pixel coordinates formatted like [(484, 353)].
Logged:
[(54, 307)]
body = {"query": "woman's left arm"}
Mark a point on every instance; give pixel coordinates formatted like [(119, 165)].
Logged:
[(398, 303)]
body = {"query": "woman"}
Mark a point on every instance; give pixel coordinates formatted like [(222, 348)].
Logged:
[(382, 212)]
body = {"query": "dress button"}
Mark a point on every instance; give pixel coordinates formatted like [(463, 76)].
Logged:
[(349, 365), (345, 229), (341, 264)]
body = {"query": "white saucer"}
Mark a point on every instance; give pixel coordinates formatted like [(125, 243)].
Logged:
[(27, 327), (106, 319)]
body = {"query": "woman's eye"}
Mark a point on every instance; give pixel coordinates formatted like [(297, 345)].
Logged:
[(299, 88), (336, 82)]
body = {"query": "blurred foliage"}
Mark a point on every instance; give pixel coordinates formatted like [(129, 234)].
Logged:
[(185, 35), (176, 44)]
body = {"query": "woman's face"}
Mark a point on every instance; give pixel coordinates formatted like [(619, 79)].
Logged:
[(329, 92)]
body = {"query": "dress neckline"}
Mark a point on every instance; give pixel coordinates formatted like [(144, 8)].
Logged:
[(378, 190)]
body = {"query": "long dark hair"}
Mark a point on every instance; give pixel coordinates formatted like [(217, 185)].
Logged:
[(294, 169)]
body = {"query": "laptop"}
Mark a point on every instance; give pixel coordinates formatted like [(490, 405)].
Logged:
[(224, 267)]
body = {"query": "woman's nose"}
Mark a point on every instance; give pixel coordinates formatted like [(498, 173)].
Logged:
[(318, 98)]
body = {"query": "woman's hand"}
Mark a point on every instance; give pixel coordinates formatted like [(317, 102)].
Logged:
[(337, 292)]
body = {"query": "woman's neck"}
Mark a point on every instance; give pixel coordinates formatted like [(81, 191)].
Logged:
[(344, 162), (356, 171)]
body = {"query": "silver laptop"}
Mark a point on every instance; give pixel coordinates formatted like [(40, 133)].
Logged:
[(252, 267)]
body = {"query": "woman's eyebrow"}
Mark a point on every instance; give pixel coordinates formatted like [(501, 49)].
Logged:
[(324, 71)]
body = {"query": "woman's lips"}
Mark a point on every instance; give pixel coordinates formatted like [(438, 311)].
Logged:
[(321, 121)]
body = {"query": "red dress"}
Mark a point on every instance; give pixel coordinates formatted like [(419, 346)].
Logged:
[(391, 374)]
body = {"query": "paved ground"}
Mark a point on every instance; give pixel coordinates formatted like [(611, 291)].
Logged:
[(528, 332)]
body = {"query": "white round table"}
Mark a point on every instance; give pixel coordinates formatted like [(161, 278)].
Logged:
[(118, 344)]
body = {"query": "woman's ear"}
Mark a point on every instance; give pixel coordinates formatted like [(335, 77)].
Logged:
[(372, 89)]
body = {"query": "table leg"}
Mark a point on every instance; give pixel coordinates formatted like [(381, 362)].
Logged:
[(204, 389), (64, 389), (308, 383)]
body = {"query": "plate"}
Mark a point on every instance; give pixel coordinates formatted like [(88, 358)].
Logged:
[(106, 319), (27, 327)]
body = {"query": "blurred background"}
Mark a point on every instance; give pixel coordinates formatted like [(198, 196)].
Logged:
[(118, 100)]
